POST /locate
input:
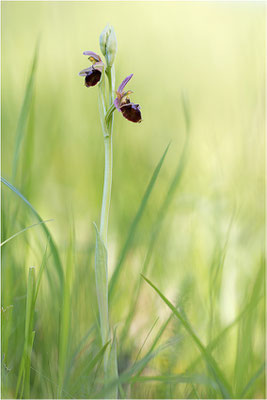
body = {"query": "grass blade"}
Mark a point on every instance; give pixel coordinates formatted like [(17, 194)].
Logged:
[(23, 382), (112, 369), (133, 371), (54, 250), (87, 369), (160, 218), (221, 381), (252, 380), (65, 320), (134, 225), (179, 378), (24, 113), (24, 230)]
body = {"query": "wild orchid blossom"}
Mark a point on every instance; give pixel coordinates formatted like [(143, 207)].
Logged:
[(94, 75), (129, 110)]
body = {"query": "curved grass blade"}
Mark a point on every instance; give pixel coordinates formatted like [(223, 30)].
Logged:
[(146, 338), (53, 247), (24, 113), (157, 338), (125, 377), (217, 373), (89, 366), (179, 378), (252, 380), (214, 343), (160, 218), (24, 230), (65, 314), (23, 382), (134, 225), (134, 370)]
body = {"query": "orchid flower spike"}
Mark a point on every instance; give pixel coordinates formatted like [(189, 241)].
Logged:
[(123, 104), (92, 74)]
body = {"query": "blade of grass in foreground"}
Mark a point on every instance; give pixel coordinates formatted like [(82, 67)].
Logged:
[(24, 230), (159, 220), (252, 380), (253, 301), (88, 368), (54, 250), (65, 315), (23, 382), (24, 113), (217, 373), (134, 225), (157, 226), (112, 368), (179, 378), (132, 374)]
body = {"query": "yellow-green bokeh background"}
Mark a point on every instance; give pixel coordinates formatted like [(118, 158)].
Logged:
[(212, 53)]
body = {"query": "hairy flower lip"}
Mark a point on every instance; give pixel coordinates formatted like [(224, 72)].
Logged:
[(129, 110), (92, 78), (92, 74)]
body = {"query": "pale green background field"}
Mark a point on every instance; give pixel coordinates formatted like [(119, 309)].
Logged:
[(213, 54)]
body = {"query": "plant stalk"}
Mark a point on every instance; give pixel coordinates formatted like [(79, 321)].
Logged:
[(106, 189), (107, 127)]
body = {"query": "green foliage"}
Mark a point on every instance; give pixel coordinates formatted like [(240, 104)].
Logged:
[(189, 215)]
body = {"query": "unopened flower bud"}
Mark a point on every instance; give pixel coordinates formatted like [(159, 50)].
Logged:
[(108, 44)]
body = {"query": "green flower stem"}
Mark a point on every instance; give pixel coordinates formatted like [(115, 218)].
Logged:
[(107, 188), (106, 114), (108, 122)]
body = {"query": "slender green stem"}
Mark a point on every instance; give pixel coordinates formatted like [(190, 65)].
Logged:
[(108, 158), (107, 189), (106, 114)]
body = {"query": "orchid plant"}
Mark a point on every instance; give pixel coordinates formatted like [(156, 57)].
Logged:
[(109, 101)]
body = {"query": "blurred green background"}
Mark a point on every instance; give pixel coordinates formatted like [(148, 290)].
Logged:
[(210, 53)]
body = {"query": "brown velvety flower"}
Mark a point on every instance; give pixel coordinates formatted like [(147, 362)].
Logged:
[(92, 74), (129, 110)]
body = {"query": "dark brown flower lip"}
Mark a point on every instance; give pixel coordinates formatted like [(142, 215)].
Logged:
[(92, 77), (92, 74), (129, 110)]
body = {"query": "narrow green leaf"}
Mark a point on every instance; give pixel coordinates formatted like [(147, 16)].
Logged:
[(157, 338), (23, 382), (24, 230), (65, 320), (24, 113), (99, 356), (137, 218), (112, 368), (54, 250), (146, 338), (252, 380), (125, 377), (220, 379), (89, 366), (179, 378), (215, 342), (155, 232), (40, 274)]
